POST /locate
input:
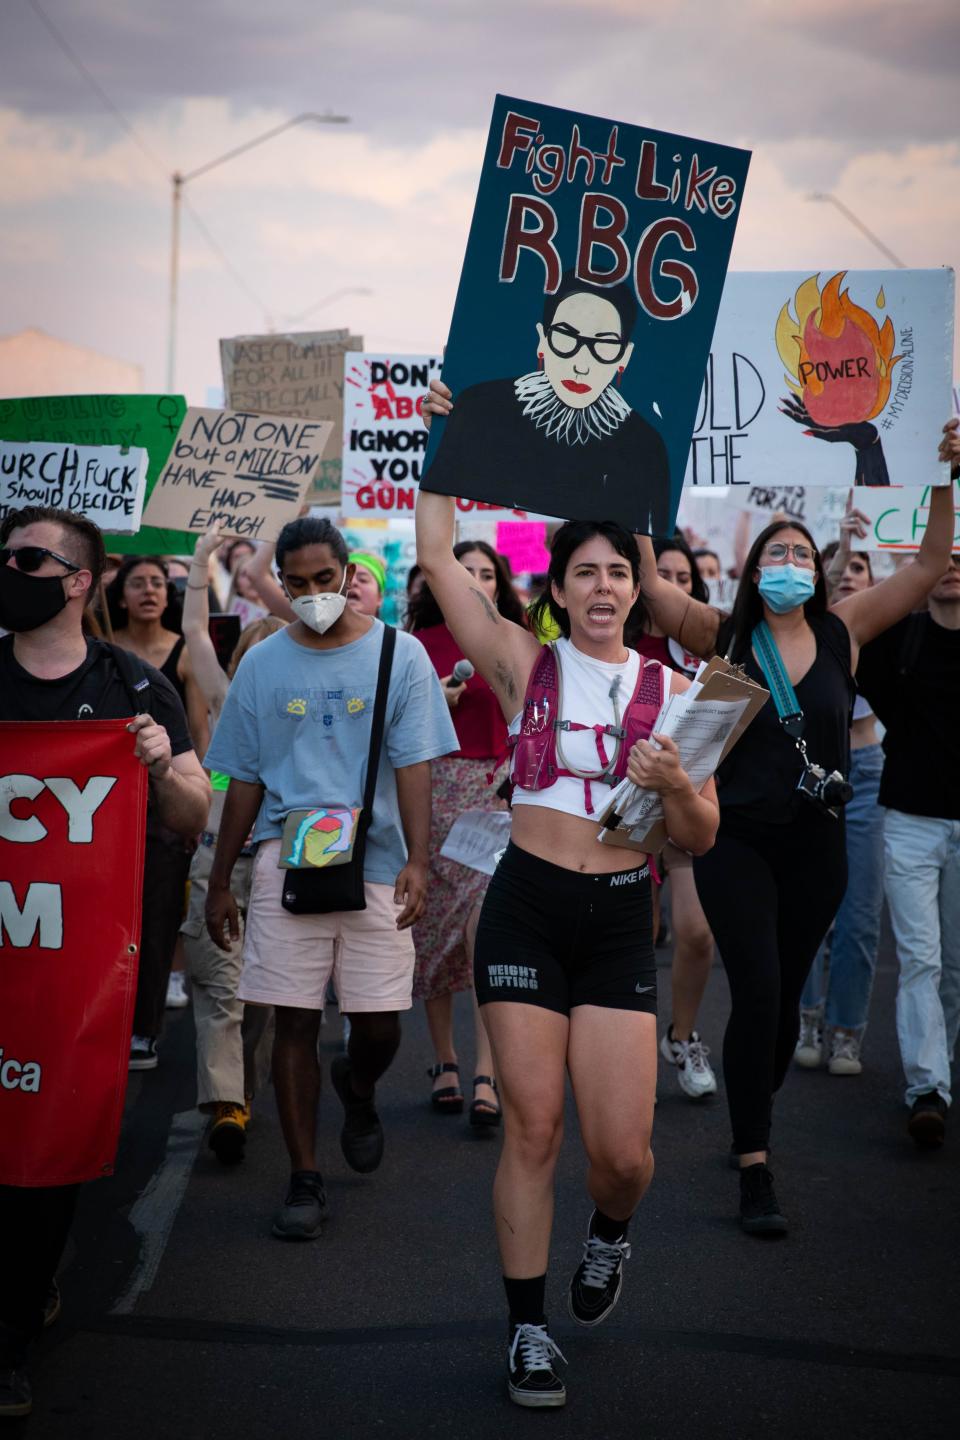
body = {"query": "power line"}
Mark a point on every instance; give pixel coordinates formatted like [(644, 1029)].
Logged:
[(95, 85), (142, 145)]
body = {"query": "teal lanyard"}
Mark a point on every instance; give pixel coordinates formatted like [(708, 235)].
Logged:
[(775, 674)]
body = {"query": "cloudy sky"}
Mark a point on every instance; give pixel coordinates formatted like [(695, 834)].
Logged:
[(858, 98)]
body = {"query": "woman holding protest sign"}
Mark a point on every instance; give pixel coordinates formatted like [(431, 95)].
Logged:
[(779, 863), (564, 966)]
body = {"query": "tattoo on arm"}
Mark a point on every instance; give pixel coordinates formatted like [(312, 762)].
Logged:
[(491, 609), (504, 678)]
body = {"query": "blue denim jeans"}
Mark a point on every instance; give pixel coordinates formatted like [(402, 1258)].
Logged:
[(856, 930), (922, 877)]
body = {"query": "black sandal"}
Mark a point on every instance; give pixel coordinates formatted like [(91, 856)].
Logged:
[(449, 1100), (481, 1112)]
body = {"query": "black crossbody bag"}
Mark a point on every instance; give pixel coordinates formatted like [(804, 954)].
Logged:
[(331, 888)]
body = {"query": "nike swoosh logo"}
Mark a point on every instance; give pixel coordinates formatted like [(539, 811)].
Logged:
[(644, 989)]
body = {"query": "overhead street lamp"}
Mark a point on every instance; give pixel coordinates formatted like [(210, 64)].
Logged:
[(179, 180), (859, 225)]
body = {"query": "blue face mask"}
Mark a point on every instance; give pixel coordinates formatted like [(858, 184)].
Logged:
[(784, 587)]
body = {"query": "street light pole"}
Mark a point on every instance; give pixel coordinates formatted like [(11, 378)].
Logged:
[(178, 181), (859, 225)]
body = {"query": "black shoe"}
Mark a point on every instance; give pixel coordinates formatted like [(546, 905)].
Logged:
[(51, 1305), (759, 1211), (927, 1123), (531, 1378), (598, 1279), (16, 1398), (361, 1138), (304, 1209)]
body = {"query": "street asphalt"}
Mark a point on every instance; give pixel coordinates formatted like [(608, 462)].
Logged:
[(183, 1317)]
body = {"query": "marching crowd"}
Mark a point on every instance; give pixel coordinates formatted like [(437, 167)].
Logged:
[(286, 723)]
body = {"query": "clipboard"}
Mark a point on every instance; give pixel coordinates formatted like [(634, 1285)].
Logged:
[(719, 680)]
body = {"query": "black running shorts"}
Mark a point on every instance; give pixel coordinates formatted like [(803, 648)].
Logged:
[(557, 938)]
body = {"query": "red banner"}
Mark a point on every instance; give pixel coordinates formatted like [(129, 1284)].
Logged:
[(73, 802)]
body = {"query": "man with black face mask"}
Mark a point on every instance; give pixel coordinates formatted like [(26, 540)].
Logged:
[(50, 563)]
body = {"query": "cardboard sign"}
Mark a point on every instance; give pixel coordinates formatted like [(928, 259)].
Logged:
[(98, 481), (247, 474), (299, 375), (898, 517), (524, 543), (149, 422), (583, 320), (837, 378), (73, 800), (788, 500)]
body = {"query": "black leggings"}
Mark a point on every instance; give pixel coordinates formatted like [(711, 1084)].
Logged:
[(769, 893)]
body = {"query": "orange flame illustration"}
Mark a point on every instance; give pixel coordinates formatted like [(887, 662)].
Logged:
[(839, 359)]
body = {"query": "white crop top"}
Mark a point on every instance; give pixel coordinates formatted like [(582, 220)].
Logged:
[(586, 699)]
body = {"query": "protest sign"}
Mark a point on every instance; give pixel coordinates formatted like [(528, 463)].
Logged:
[(299, 375), (524, 543), (73, 800), (583, 319), (788, 500), (247, 474), (98, 481), (836, 378), (147, 422), (385, 439), (897, 517)]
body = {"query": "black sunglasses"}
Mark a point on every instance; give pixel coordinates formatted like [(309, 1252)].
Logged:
[(29, 558), (566, 342)]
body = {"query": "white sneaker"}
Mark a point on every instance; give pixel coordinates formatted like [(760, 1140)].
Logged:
[(695, 1076), (809, 1051), (143, 1053), (177, 996), (844, 1054)]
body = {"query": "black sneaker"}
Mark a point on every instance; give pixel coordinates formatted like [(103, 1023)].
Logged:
[(531, 1378), (361, 1138), (304, 1209), (927, 1123), (598, 1280), (16, 1398), (759, 1211)]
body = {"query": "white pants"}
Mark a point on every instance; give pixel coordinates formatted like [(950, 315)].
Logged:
[(922, 881)]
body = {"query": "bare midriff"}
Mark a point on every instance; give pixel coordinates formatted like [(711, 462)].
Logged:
[(863, 732), (569, 841)]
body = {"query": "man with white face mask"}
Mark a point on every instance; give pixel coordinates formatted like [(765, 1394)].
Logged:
[(294, 736)]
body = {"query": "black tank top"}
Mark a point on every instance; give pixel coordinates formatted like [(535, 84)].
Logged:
[(758, 780), (169, 668)]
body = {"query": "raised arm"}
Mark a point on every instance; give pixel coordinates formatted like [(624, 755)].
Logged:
[(204, 664), (691, 623), (868, 613), (503, 652), (258, 571)]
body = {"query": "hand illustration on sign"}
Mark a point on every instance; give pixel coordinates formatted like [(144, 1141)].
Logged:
[(840, 362)]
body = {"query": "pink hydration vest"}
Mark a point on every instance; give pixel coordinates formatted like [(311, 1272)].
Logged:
[(535, 764)]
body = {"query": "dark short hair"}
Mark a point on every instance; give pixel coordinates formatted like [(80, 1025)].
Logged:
[(568, 539), (82, 539), (737, 632), (620, 297), (311, 530)]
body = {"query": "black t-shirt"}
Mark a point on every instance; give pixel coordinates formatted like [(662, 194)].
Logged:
[(911, 676), (94, 691), (758, 779), (490, 449)]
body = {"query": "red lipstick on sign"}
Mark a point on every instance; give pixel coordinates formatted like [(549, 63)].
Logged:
[(576, 387)]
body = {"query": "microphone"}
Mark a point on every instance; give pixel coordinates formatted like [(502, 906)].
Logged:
[(462, 671)]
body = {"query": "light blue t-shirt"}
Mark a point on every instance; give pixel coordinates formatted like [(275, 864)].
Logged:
[(297, 721)]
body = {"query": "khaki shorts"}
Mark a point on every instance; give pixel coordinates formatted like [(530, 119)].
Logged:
[(289, 959)]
